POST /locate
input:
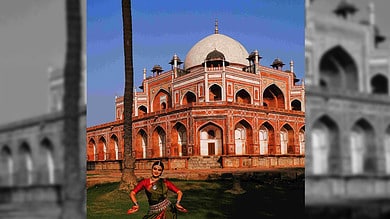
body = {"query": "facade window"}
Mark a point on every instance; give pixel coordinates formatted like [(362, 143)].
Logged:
[(161, 143), (95, 157), (182, 139), (7, 170), (49, 169), (240, 139), (104, 151), (29, 167), (144, 145), (243, 96), (163, 105), (142, 110), (215, 93), (296, 105), (301, 142), (114, 139), (50, 165), (283, 141), (211, 134), (263, 141), (357, 152), (379, 85), (320, 151)]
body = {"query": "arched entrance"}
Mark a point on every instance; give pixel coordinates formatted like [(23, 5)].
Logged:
[(286, 140), (273, 97), (48, 168), (25, 172), (338, 70), (325, 146), (242, 137), (159, 142), (266, 138), (210, 140), (362, 148), (7, 167), (243, 96), (141, 144), (179, 140)]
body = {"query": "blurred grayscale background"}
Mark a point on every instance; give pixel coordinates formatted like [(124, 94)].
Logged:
[(347, 166), (42, 124)]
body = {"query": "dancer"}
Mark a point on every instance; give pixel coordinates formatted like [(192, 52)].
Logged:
[(156, 190)]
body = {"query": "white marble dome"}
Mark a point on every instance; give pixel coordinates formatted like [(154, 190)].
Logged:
[(233, 51)]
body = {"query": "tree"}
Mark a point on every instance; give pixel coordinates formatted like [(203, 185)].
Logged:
[(128, 180), (73, 187)]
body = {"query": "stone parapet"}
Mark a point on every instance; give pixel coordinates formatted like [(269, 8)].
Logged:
[(207, 162), (333, 189)]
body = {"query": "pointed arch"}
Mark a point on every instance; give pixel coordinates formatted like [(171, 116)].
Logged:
[(92, 154), (362, 148), (7, 167), (102, 148), (26, 168), (242, 96), (215, 93), (266, 138), (162, 100), (141, 144), (379, 84), (273, 97), (159, 142), (48, 169), (338, 70), (325, 143), (296, 105), (210, 138), (243, 137), (188, 98), (287, 139), (179, 140), (113, 148), (142, 110)]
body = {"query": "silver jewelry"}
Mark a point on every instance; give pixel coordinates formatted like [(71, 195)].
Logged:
[(154, 187)]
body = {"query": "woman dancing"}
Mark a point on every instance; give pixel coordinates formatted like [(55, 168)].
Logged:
[(156, 190)]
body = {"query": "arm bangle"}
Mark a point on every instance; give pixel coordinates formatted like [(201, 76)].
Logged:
[(136, 203)]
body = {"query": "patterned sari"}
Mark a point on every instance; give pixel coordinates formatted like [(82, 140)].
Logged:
[(159, 205)]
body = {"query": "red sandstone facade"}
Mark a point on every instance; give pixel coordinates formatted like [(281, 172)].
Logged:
[(226, 105)]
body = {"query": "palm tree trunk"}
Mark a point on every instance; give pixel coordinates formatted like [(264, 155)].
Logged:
[(128, 179), (73, 188)]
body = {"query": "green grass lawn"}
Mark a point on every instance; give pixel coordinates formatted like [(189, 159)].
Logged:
[(209, 199)]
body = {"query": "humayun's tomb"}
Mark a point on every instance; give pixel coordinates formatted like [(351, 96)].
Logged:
[(220, 108)]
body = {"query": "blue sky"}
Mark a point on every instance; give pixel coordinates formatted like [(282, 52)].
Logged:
[(381, 12), (32, 39), (163, 28)]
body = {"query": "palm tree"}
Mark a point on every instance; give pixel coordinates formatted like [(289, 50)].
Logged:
[(74, 176), (128, 179)]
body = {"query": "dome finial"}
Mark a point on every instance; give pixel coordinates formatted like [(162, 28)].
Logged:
[(216, 26)]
